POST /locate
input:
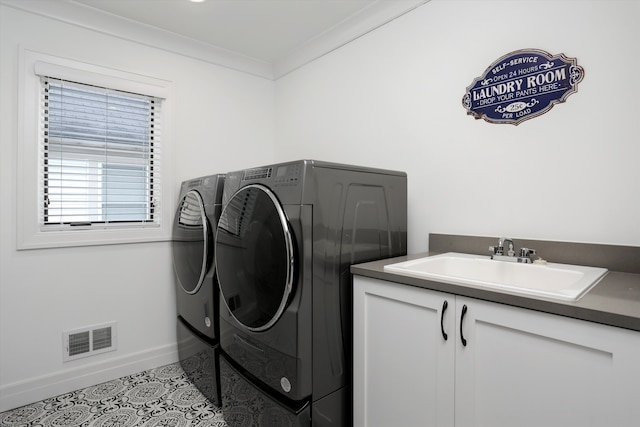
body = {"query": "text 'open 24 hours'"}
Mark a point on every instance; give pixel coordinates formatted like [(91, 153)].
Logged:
[(522, 85)]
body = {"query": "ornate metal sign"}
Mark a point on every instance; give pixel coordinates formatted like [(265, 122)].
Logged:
[(522, 85)]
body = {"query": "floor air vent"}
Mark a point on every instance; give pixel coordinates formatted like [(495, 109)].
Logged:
[(89, 341)]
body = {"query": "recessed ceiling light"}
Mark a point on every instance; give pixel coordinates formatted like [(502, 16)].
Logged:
[(197, 1)]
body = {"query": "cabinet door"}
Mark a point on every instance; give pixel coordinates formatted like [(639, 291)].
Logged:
[(403, 366), (525, 368)]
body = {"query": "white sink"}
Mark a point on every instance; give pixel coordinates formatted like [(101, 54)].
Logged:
[(560, 281)]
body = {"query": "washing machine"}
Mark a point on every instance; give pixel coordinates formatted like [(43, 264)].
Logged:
[(197, 294), (286, 238)]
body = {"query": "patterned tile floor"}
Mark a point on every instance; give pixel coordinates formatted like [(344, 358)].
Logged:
[(160, 397)]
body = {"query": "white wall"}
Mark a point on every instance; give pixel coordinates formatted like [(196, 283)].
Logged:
[(221, 120), (392, 99)]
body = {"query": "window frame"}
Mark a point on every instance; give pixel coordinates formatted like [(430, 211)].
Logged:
[(30, 232), (93, 157)]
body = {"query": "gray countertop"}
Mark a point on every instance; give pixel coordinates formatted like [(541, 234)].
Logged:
[(614, 301)]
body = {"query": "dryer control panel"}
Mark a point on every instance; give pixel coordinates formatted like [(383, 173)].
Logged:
[(258, 173), (286, 175)]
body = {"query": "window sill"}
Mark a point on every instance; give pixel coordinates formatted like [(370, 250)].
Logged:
[(92, 237)]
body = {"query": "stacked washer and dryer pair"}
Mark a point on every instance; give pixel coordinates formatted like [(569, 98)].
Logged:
[(286, 237)]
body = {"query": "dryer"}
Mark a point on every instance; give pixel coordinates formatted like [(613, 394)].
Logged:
[(286, 238), (197, 292)]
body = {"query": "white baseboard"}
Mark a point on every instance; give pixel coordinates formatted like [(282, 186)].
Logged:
[(39, 388)]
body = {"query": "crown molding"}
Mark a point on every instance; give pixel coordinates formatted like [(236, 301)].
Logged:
[(374, 16), (89, 18), (80, 15)]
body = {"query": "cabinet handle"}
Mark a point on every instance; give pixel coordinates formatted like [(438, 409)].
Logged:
[(445, 304), (462, 338)]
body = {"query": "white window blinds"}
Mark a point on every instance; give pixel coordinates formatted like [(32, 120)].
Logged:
[(100, 155)]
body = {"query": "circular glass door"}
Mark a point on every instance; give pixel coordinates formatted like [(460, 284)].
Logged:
[(191, 258), (254, 257)]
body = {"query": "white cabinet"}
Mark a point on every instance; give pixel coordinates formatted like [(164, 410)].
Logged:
[(403, 367), (519, 367)]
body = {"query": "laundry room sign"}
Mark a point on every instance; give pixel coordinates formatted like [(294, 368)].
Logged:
[(522, 85)]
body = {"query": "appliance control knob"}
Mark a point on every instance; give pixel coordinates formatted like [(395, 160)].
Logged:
[(285, 384)]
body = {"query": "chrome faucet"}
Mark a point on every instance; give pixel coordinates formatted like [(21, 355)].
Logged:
[(511, 248), (524, 256)]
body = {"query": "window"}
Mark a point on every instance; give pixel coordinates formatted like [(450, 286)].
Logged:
[(98, 163), (91, 140)]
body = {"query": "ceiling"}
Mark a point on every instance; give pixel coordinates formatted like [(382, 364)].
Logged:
[(263, 30)]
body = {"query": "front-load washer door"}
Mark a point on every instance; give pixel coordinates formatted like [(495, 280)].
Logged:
[(191, 239), (254, 257)]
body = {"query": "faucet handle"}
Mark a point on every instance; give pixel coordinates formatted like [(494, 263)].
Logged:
[(526, 252), (496, 250)]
